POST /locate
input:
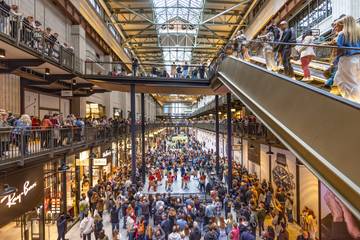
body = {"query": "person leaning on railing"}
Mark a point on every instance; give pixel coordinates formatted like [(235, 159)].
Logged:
[(15, 19), (347, 78), (4, 133), (4, 14)]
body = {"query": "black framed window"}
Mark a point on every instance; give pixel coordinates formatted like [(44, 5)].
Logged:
[(311, 15)]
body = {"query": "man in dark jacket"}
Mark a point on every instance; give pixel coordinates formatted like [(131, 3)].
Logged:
[(61, 226), (211, 234), (195, 232), (285, 50), (114, 217)]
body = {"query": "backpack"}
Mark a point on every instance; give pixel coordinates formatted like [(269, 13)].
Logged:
[(253, 222)]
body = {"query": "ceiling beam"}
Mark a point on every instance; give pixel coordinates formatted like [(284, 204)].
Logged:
[(224, 12)]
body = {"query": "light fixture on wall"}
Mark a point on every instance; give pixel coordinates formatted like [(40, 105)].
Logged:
[(7, 190), (252, 147), (2, 53), (91, 89), (233, 110), (74, 82), (269, 152), (47, 71)]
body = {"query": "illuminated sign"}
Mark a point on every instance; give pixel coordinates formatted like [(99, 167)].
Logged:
[(100, 161), (15, 198), (106, 153), (30, 184)]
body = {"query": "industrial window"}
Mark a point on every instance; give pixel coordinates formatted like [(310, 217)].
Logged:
[(177, 26), (97, 7), (311, 15)]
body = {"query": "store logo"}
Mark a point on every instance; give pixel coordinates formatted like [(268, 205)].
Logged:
[(14, 198)]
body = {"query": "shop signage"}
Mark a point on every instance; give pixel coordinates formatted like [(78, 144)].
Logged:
[(66, 93), (29, 183), (106, 153), (17, 197), (100, 161), (81, 162)]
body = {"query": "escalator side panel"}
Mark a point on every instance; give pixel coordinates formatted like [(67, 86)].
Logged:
[(323, 130)]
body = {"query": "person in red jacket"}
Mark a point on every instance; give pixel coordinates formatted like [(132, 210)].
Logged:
[(151, 182)]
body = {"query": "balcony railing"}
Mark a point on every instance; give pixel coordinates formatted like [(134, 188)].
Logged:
[(251, 130), (19, 144), (20, 32)]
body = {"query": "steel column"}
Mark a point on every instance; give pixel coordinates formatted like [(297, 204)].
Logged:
[(217, 147), (91, 161), (133, 133), (143, 137), (63, 186), (229, 142)]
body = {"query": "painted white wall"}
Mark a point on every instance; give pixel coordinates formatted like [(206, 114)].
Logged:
[(272, 7), (309, 191), (47, 101), (37, 104), (10, 93), (65, 107), (31, 103)]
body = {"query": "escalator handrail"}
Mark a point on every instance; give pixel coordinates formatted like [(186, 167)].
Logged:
[(301, 84)]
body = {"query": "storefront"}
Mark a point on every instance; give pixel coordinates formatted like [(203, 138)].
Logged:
[(22, 215), (94, 110)]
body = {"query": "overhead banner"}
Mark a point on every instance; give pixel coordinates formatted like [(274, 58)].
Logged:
[(30, 190)]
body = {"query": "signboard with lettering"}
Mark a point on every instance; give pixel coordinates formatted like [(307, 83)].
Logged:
[(30, 190), (106, 153), (100, 161), (66, 93)]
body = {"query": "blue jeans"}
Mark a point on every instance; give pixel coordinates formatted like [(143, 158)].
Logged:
[(131, 235), (289, 215), (114, 226), (330, 81)]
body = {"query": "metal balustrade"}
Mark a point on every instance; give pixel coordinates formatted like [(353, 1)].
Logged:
[(19, 144), (20, 32)]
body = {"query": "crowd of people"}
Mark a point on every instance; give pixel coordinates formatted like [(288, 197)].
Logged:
[(17, 132), (30, 31), (176, 71), (251, 209), (280, 45)]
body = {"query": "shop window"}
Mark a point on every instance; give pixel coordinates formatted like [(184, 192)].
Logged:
[(311, 15), (94, 110)]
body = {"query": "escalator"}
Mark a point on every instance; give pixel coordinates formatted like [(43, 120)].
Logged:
[(321, 129)]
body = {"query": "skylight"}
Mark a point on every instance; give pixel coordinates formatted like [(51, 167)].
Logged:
[(177, 26)]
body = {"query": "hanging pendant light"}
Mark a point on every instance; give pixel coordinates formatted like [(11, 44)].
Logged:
[(63, 168)]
